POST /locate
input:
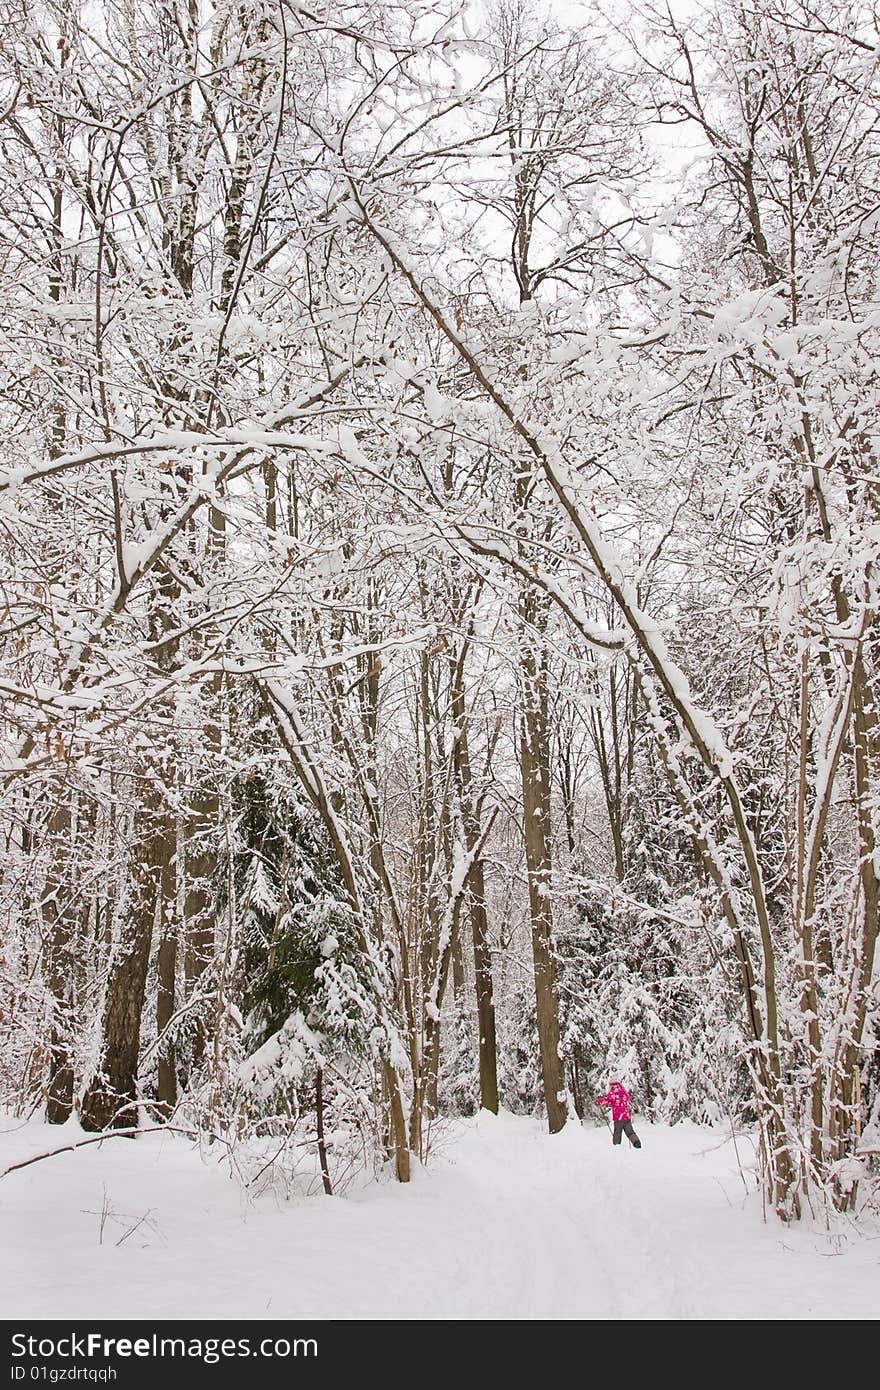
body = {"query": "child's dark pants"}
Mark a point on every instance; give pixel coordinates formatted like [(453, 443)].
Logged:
[(625, 1127)]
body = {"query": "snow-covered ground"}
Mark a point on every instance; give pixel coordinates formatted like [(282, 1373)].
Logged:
[(506, 1222)]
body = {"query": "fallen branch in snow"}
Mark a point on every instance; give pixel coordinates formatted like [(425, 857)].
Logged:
[(110, 1134)]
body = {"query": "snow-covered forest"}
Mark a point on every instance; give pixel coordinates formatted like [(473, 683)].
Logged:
[(440, 513)]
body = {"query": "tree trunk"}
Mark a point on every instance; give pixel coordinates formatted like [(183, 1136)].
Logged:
[(535, 771), (577, 1092), (111, 1101), (59, 927), (488, 1051), (166, 1086), (200, 868), (845, 1105), (398, 1123), (488, 1048), (319, 1121)]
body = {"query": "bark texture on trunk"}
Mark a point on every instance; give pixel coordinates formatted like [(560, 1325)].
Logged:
[(488, 1051), (535, 771), (166, 1083), (59, 929), (111, 1101)]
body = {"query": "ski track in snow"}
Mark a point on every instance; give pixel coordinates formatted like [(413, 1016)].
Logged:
[(507, 1222)]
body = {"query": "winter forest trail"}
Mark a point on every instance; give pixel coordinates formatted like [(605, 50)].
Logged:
[(506, 1223)]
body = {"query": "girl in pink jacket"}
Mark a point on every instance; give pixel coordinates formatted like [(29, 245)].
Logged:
[(617, 1096)]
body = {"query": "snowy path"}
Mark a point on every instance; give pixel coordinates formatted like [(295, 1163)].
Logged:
[(507, 1222)]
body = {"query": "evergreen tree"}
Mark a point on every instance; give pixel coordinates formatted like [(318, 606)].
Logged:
[(299, 980)]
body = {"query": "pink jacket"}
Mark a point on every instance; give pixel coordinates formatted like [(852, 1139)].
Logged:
[(618, 1098)]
